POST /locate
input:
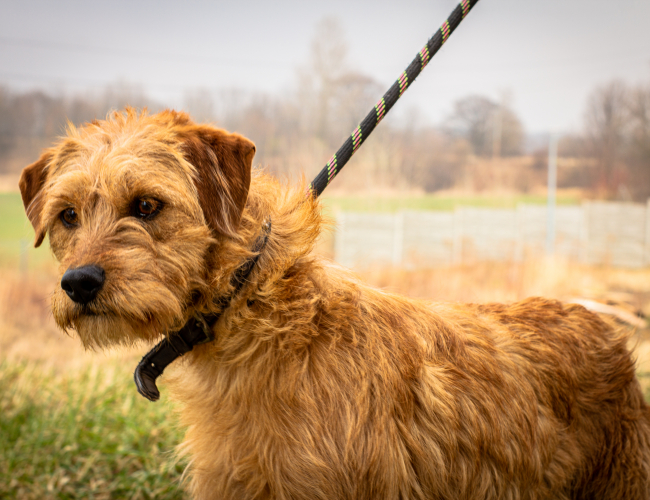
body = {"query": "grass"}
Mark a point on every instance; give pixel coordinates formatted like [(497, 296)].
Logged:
[(15, 225), (83, 435), (435, 202), (17, 237)]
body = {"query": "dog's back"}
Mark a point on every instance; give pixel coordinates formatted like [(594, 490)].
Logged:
[(545, 399), (530, 400)]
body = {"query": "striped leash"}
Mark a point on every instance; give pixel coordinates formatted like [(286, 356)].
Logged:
[(365, 128)]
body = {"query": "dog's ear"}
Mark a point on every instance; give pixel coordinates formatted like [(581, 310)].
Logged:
[(31, 185), (223, 163)]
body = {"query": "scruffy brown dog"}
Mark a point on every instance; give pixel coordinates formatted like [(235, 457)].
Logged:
[(318, 386)]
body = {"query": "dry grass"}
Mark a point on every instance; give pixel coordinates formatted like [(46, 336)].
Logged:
[(28, 332), (9, 183), (508, 281)]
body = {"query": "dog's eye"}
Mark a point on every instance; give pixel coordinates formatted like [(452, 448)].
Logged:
[(69, 217), (146, 208)]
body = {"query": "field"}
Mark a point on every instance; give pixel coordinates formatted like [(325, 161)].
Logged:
[(14, 222), (72, 424), (436, 202), (83, 434)]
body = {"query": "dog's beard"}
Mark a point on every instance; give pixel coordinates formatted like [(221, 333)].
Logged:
[(145, 294), (120, 315)]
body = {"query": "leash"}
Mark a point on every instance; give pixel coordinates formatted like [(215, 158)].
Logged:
[(361, 133), (199, 329)]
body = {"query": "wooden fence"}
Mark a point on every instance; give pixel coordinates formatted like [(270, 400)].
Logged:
[(616, 234)]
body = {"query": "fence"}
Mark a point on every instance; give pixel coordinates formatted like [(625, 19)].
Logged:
[(616, 234)]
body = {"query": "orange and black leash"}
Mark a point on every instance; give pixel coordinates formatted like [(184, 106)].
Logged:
[(200, 328), (408, 76)]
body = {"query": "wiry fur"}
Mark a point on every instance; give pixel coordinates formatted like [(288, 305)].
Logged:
[(318, 386)]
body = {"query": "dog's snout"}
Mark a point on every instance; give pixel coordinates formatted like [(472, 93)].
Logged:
[(83, 283)]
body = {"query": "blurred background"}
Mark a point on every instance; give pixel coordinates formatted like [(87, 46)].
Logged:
[(517, 164)]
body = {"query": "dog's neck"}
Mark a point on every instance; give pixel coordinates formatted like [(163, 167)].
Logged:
[(296, 226), (240, 277), (197, 330)]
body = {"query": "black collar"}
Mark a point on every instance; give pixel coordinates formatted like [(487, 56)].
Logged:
[(198, 330)]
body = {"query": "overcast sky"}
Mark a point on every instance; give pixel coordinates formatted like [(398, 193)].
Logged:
[(546, 55)]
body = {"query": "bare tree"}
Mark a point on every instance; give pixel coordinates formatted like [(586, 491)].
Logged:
[(491, 129), (332, 97), (607, 119), (6, 124), (327, 63), (638, 156)]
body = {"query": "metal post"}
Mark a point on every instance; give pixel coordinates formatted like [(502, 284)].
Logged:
[(551, 191), (647, 234), (24, 248), (398, 239), (497, 119)]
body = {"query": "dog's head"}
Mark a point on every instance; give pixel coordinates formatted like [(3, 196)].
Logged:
[(132, 206)]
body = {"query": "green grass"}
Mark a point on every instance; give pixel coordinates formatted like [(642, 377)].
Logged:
[(434, 202), (17, 237), (13, 221), (88, 435), (84, 435)]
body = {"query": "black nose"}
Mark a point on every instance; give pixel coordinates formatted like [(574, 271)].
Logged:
[(83, 283)]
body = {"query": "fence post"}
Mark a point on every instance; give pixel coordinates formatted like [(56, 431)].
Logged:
[(647, 233), (24, 264), (519, 232), (584, 234), (551, 189), (457, 250), (398, 238)]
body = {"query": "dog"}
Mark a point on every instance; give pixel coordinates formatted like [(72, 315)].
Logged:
[(316, 385)]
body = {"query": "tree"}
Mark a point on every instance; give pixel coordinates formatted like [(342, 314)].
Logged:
[(638, 155), (607, 120), (332, 97), (491, 129)]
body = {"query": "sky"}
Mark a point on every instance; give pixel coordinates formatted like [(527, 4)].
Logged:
[(542, 56)]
